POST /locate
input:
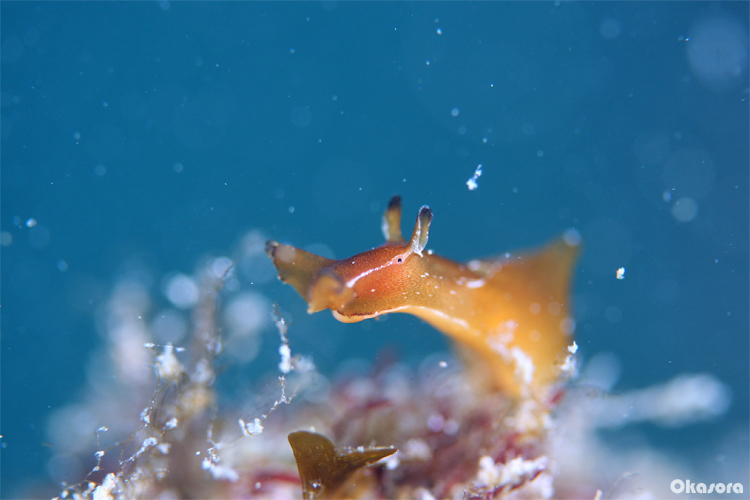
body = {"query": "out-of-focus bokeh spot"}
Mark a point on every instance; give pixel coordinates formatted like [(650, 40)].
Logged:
[(690, 172), (685, 209), (718, 52)]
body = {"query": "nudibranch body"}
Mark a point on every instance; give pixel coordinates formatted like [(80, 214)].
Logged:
[(511, 312)]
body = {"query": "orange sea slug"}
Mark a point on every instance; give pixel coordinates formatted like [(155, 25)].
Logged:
[(512, 313)]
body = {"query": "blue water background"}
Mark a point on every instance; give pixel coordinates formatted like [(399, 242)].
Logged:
[(302, 119)]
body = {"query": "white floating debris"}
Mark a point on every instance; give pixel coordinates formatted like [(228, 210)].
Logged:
[(286, 358), (392, 461), (182, 291), (104, 490), (251, 429), (31, 222), (417, 449), (168, 366), (472, 183), (569, 365), (572, 349), (572, 237), (621, 273), (220, 471), (681, 401), (222, 266)]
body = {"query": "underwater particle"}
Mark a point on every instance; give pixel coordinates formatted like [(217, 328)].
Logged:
[(317, 388), (182, 291), (39, 236), (610, 28), (685, 209), (392, 462), (245, 317), (690, 172), (168, 366), (220, 472), (569, 365), (613, 314), (685, 399), (610, 245), (301, 116), (221, 266), (717, 52), (472, 182), (572, 237), (568, 325), (601, 372), (435, 422), (6, 239), (31, 222), (666, 291), (251, 429), (11, 49), (652, 147), (323, 468), (169, 326), (285, 365), (104, 491), (620, 273), (451, 427), (417, 449)]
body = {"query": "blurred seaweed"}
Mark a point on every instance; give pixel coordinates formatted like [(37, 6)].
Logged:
[(395, 431)]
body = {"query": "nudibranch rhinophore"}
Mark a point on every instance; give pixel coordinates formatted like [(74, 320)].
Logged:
[(512, 312)]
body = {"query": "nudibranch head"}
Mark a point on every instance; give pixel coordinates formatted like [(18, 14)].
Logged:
[(354, 288)]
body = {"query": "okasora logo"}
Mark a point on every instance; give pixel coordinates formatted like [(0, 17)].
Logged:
[(687, 486)]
